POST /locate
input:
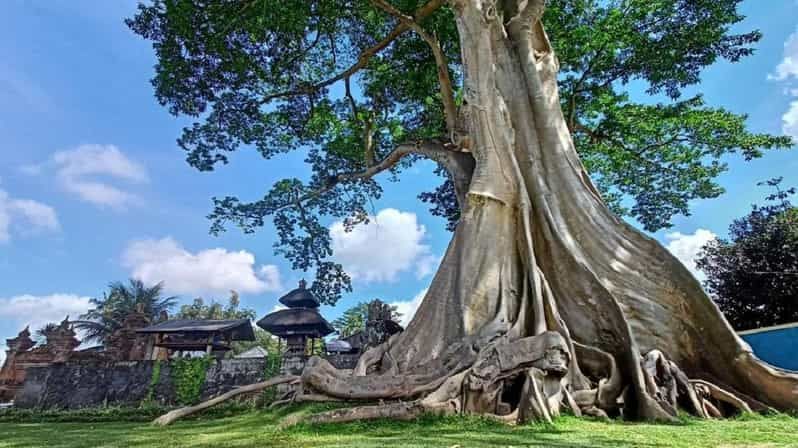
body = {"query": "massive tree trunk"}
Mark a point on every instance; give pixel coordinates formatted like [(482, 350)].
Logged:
[(544, 297), (537, 250)]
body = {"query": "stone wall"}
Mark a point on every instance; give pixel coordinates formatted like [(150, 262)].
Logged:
[(23, 354), (73, 385)]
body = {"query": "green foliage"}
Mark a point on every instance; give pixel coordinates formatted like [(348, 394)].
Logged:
[(664, 155), (270, 75), (273, 362), (215, 310), (272, 369), (314, 347), (154, 381), (354, 319), (121, 300), (655, 157), (144, 413), (262, 339), (753, 275), (188, 377)]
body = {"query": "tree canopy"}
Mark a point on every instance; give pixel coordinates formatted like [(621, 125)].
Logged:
[(215, 310), (753, 275), (347, 84), (354, 319)]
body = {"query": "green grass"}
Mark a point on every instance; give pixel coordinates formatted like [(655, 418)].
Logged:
[(261, 429)]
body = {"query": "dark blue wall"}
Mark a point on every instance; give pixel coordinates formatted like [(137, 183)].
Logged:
[(778, 347)]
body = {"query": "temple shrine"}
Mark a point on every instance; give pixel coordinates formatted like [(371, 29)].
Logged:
[(296, 324)]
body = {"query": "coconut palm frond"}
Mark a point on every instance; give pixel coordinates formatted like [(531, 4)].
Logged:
[(118, 302)]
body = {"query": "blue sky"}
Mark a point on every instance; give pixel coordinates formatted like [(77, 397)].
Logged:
[(93, 187)]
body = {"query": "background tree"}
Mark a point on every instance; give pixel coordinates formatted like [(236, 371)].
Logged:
[(354, 319), (215, 310), (538, 265), (753, 275), (117, 303), (263, 339)]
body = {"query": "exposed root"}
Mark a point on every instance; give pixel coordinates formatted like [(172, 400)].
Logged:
[(569, 400), (702, 398), (706, 391), (510, 381), (171, 416), (396, 411), (541, 362), (516, 381), (323, 377), (369, 359)]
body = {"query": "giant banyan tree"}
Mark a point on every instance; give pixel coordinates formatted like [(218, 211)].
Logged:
[(545, 298)]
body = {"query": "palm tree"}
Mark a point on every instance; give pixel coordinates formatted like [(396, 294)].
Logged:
[(41, 333), (120, 301), (354, 319)]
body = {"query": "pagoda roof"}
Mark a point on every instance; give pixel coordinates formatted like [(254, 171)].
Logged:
[(241, 328), (296, 321), (300, 297)]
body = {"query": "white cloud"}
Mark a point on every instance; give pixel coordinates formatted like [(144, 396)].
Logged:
[(37, 311), (787, 71), (687, 247), (389, 244), (2, 354), (213, 271), (25, 215), (77, 169), (408, 308), (788, 67), (270, 274), (790, 120)]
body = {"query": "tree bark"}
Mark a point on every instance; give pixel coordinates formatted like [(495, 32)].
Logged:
[(537, 250), (177, 414)]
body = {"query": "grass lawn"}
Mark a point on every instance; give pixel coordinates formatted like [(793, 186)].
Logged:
[(260, 429)]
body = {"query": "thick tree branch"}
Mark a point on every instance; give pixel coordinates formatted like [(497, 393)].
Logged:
[(445, 81), (459, 164), (431, 149), (171, 416), (362, 59), (367, 122)]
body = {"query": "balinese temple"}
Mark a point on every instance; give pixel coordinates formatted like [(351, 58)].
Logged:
[(11, 375), (296, 324), (22, 353)]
